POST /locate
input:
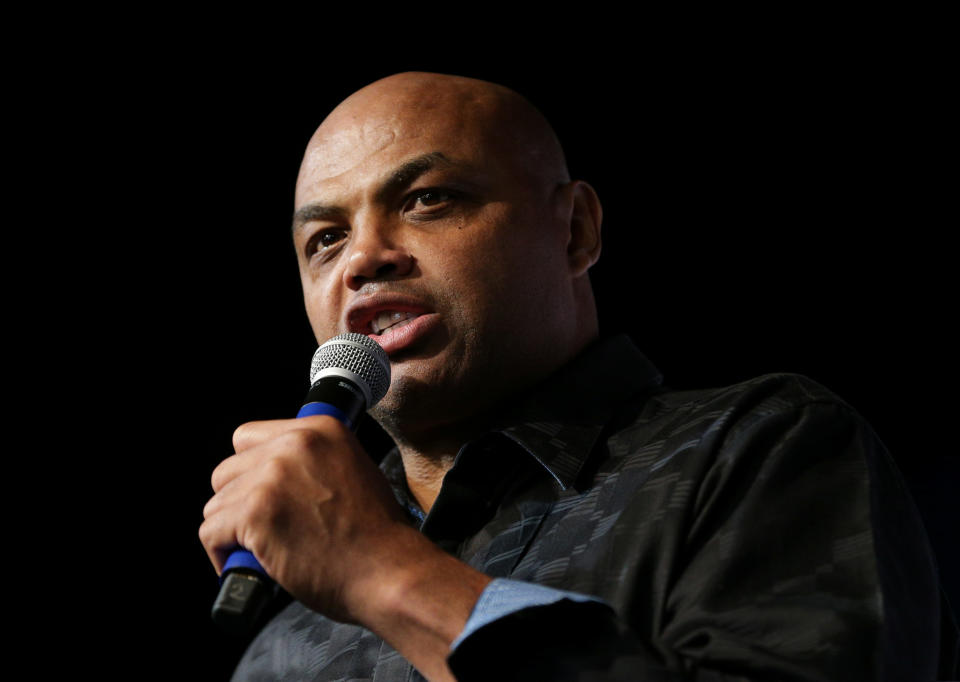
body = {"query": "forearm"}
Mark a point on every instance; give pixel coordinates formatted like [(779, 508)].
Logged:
[(419, 602)]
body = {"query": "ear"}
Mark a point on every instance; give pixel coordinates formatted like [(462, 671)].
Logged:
[(585, 217)]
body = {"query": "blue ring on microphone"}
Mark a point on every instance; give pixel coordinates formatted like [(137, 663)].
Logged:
[(241, 558), (311, 409)]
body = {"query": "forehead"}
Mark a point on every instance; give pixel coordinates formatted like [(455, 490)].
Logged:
[(378, 145), (367, 138)]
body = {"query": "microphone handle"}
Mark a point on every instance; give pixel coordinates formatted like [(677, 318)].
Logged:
[(245, 588)]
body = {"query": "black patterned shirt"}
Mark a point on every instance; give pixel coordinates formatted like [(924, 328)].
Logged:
[(753, 532)]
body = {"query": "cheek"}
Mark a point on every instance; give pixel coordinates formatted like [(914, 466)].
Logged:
[(502, 258), (470, 274), (321, 310), (487, 287)]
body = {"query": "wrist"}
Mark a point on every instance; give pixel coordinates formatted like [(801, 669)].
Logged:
[(428, 588), (420, 600)]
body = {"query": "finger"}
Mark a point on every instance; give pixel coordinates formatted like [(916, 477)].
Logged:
[(231, 468), (219, 539), (259, 441), (240, 518), (252, 434), (226, 495)]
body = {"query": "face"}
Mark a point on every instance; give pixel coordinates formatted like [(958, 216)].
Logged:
[(418, 224)]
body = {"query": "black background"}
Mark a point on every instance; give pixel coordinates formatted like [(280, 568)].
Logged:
[(774, 201)]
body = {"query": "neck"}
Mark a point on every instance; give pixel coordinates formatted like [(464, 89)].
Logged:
[(429, 455), (429, 447)]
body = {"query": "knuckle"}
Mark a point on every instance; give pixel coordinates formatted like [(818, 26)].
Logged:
[(216, 479), (209, 509), (304, 439), (276, 470), (205, 533), (261, 502), (222, 473), (243, 436)]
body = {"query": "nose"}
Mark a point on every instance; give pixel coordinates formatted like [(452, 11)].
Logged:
[(374, 255)]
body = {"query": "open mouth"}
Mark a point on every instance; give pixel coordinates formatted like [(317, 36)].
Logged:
[(396, 322), (390, 319)]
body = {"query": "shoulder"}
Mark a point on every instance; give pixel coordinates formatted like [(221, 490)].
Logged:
[(712, 416), (763, 431), (763, 395)]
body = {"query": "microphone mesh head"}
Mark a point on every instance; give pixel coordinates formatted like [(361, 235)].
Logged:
[(359, 355)]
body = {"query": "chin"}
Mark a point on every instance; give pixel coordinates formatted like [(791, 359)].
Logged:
[(415, 404), (406, 399)]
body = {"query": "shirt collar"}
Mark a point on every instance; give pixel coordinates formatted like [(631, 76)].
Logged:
[(559, 423)]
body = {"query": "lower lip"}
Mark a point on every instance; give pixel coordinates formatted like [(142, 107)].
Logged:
[(393, 340)]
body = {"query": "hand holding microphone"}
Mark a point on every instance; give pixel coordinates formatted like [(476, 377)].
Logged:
[(298, 489)]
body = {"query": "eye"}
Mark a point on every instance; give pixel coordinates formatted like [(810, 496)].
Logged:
[(433, 197), (430, 198), (324, 241)]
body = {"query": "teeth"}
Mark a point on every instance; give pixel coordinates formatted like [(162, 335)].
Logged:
[(389, 318)]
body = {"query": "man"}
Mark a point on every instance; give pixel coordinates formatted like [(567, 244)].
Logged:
[(755, 531)]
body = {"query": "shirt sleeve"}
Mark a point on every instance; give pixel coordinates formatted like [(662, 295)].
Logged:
[(803, 558), (504, 597), (524, 631)]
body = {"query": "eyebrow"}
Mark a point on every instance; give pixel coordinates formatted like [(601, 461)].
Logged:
[(401, 176)]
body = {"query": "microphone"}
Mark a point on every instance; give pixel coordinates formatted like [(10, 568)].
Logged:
[(349, 374)]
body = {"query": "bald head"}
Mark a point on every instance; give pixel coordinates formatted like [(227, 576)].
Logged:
[(435, 214), (412, 105)]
